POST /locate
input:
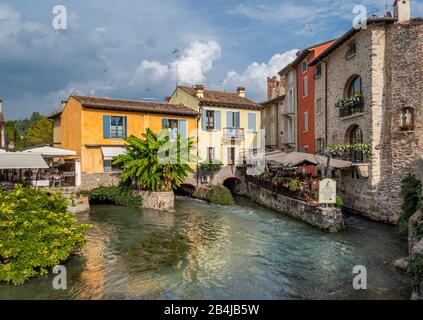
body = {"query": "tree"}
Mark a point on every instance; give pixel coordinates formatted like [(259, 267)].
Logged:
[(156, 162), (41, 132)]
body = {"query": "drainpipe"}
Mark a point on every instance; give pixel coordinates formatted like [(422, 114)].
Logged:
[(198, 146), (326, 102)]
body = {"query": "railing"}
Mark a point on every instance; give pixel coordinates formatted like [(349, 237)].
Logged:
[(356, 107), (236, 134)]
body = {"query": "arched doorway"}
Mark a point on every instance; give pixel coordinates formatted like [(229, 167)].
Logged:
[(355, 136), (233, 184), (186, 190)]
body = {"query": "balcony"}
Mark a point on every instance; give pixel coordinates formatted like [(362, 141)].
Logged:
[(350, 105), (233, 134)]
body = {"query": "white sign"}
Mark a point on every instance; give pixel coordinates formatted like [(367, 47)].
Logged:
[(327, 191)]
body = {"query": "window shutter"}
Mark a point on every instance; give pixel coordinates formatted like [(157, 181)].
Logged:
[(125, 127), (106, 127), (237, 123), (217, 120), (204, 119), (229, 119), (252, 122), (165, 123), (183, 128)]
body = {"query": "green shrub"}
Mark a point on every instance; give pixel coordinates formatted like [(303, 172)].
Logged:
[(36, 233), (221, 195), (411, 193), (339, 203), (415, 269), (118, 195), (212, 165), (294, 185)]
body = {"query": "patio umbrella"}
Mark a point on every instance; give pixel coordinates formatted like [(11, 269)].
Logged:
[(51, 152)]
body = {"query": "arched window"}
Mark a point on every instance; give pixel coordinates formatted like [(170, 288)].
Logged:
[(354, 86), (356, 137)]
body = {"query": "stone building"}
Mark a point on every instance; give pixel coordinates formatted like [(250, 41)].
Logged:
[(382, 67), (2, 128)]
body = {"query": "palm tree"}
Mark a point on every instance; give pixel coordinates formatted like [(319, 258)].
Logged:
[(156, 162)]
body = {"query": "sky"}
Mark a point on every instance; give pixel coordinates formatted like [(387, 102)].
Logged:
[(139, 49)]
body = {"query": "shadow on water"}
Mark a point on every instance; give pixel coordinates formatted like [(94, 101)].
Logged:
[(214, 252)]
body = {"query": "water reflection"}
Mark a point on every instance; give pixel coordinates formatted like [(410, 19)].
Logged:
[(213, 252)]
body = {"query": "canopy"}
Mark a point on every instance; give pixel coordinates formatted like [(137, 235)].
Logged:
[(295, 159), (11, 160), (2, 151), (110, 152), (51, 152)]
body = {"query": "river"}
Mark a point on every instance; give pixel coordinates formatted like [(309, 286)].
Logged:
[(212, 252)]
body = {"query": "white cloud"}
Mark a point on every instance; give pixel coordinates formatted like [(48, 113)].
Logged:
[(254, 78), (192, 67)]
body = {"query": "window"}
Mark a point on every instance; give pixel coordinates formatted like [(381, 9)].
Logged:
[(305, 121), (291, 101), (320, 144), (210, 120), (290, 136), (355, 86), (356, 137), (233, 119), (319, 106), (305, 149), (110, 167), (318, 72), (231, 156), (177, 127), (351, 49), (117, 127), (304, 66), (210, 154), (305, 87)]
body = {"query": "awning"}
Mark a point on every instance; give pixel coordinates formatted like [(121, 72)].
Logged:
[(11, 160), (110, 152), (51, 152)]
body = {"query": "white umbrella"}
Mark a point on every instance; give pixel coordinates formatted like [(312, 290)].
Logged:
[(51, 152)]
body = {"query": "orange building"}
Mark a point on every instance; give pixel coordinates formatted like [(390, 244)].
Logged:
[(96, 127)]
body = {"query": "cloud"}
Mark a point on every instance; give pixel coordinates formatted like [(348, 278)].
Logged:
[(191, 68), (254, 77)]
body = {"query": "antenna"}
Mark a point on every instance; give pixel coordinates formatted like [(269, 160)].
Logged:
[(105, 81), (176, 52)]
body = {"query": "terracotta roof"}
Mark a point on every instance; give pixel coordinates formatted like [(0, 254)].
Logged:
[(301, 55), (134, 106), (346, 36), (224, 99), (271, 101)]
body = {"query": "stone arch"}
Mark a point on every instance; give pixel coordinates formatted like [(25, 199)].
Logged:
[(353, 85), (233, 183)]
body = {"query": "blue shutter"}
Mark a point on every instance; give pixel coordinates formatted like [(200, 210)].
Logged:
[(125, 127), (204, 120), (237, 123), (252, 122), (217, 121), (106, 127), (229, 122), (164, 123), (183, 128)]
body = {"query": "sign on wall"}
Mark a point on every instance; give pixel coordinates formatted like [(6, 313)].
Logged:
[(327, 191)]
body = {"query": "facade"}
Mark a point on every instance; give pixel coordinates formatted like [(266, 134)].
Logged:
[(96, 127), (229, 122), (271, 122), (383, 66), (2, 127)]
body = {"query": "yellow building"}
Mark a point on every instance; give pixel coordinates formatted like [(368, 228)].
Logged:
[(229, 122), (96, 127)]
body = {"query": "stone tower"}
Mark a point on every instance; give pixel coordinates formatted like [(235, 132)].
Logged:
[(402, 10)]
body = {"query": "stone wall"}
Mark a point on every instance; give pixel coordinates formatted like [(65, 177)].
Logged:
[(327, 219), (163, 201), (91, 181)]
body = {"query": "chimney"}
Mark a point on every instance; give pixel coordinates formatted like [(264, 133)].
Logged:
[(402, 10), (240, 91), (199, 91), (63, 104), (1, 106)]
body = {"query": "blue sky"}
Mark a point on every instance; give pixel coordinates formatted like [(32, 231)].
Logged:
[(123, 49)]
